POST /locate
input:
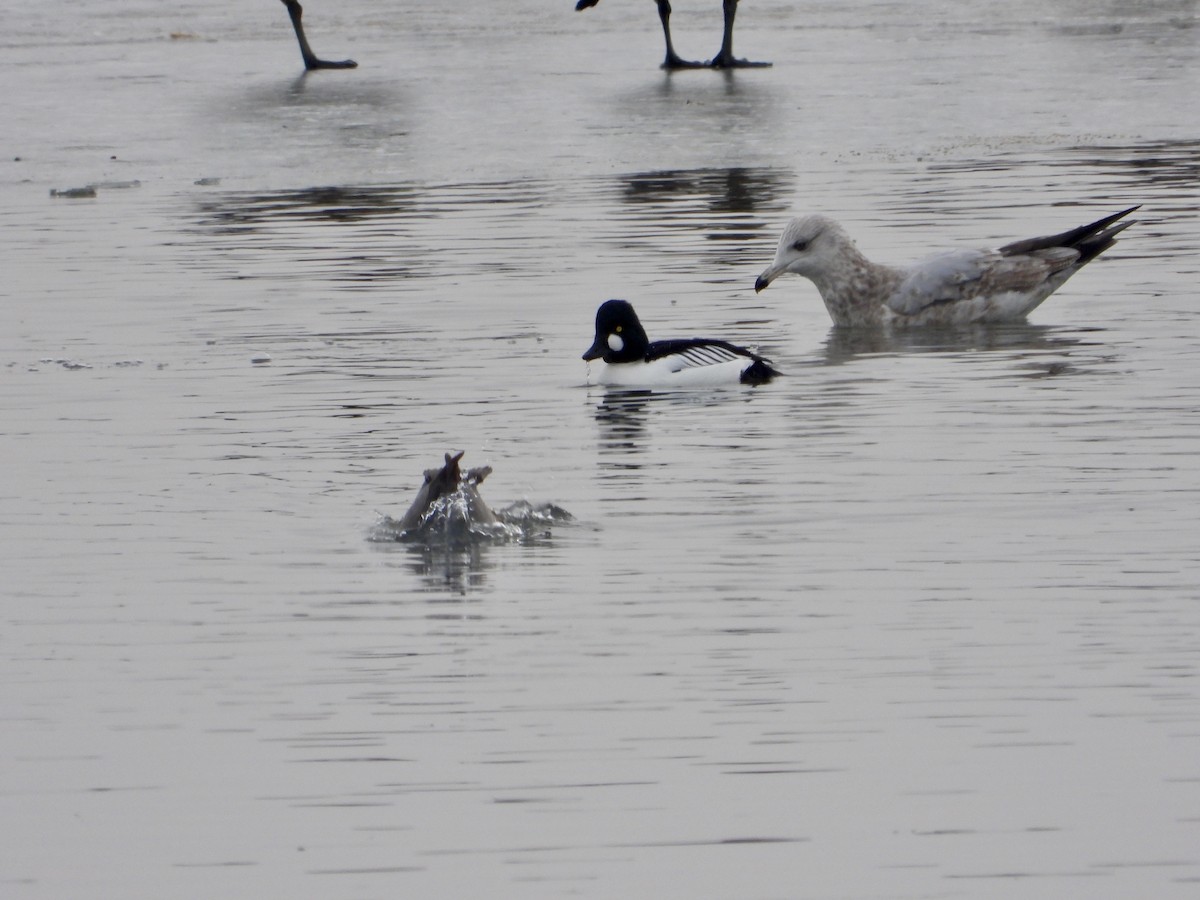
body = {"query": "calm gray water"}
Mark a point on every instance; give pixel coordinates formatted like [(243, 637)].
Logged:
[(921, 620)]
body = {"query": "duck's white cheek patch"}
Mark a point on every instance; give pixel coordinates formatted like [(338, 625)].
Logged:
[(615, 343)]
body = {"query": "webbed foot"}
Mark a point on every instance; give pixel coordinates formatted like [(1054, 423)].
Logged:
[(316, 63), (728, 61), (674, 61)]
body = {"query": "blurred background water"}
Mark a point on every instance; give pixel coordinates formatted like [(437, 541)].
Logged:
[(918, 620)]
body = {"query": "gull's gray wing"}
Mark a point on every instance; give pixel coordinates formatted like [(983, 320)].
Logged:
[(963, 275), (943, 278)]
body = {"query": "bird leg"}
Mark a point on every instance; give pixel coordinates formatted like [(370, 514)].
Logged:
[(725, 59), (311, 60), (673, 60)]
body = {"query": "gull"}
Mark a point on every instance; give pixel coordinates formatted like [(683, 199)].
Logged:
[(723, 60), (957, 287)]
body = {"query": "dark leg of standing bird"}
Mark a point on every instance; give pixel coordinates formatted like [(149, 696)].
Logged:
[(673, 59), (725, 59), (311, 60)]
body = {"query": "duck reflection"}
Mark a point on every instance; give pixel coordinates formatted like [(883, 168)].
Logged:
[(450, 568), (621, 417)]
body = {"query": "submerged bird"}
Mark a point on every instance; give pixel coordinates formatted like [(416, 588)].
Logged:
[(449, 500), (311, 60), (631, 360), (723, 60), (957, 287), (449, 512)]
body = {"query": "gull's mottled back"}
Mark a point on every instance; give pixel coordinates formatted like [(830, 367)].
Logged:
[(955, 287)]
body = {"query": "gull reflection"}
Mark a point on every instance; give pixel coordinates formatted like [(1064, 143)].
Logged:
[(1041, 349)]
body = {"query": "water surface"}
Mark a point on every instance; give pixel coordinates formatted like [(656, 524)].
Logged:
[(918, 620)]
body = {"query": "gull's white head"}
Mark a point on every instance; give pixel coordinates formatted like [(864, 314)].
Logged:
[(808, 246)]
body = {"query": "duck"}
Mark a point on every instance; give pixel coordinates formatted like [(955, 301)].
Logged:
[(957, 287), (724, 58), (449, 512), (631, 360), (449, 501)]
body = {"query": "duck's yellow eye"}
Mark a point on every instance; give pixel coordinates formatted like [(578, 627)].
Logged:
[(618, 329)]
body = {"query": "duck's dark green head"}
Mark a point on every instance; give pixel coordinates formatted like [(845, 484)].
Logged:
[(619, 335)]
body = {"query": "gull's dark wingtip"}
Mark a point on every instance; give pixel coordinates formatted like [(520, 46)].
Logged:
[(1090, 240), (1101, 224), (1093, 246)]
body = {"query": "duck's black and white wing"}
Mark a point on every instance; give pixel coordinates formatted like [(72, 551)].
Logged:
[(698, 353)]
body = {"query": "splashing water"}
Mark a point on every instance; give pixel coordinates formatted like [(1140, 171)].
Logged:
[(454, 519)]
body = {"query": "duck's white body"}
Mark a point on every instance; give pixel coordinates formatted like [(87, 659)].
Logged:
[(675, 370)]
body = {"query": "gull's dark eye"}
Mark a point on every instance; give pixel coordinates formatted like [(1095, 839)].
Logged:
[(800, 246)]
